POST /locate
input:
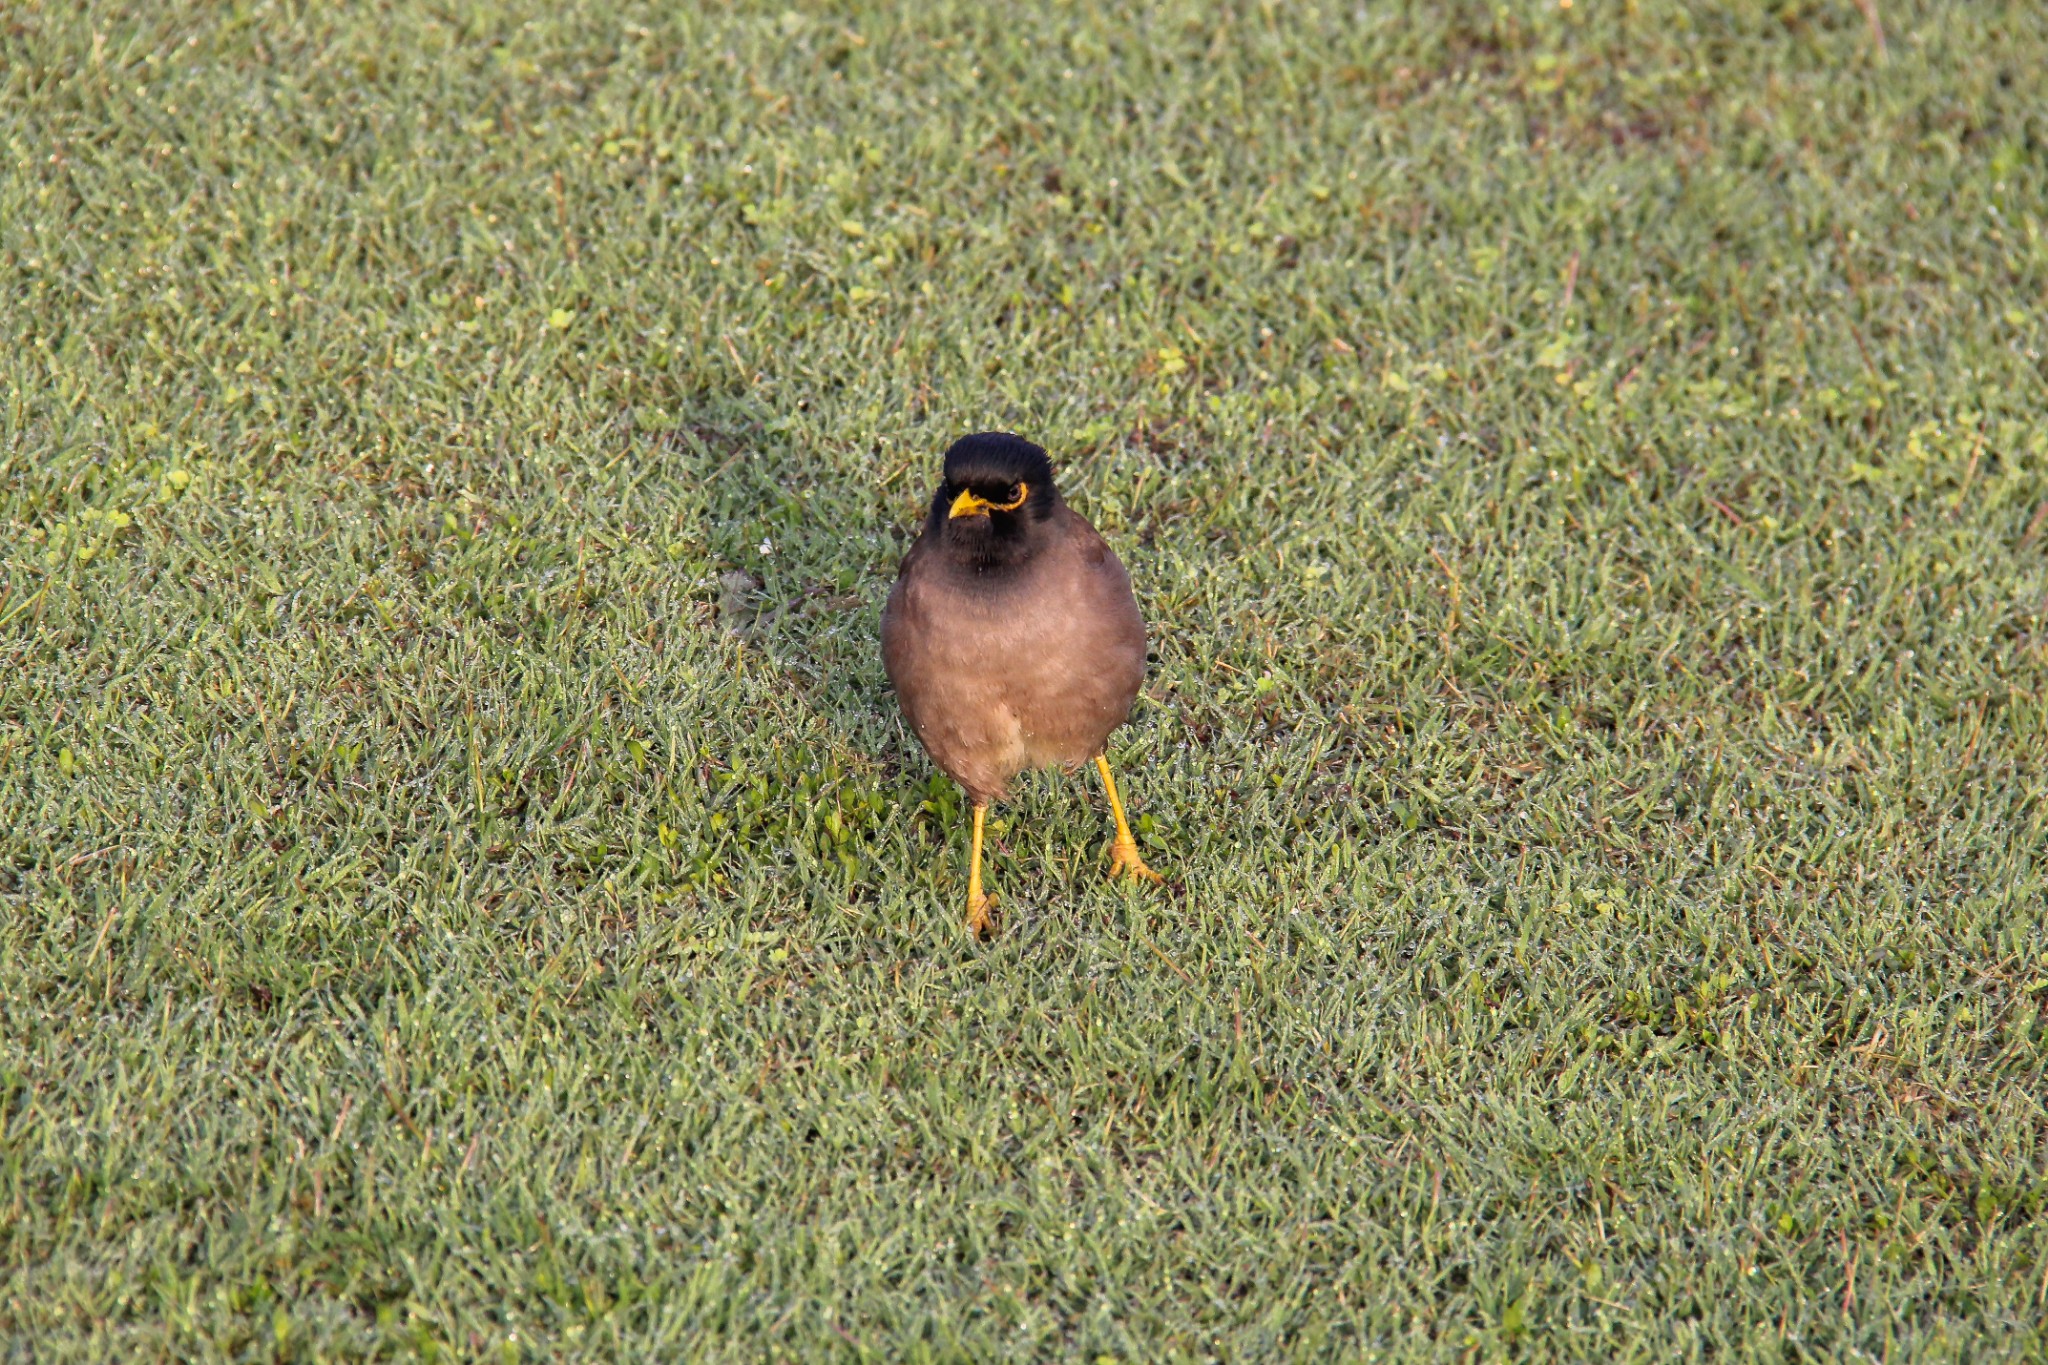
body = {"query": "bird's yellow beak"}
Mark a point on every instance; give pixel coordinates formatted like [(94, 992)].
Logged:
[(968, 505)]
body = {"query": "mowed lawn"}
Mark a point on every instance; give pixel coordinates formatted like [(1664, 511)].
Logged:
[(466, 892)]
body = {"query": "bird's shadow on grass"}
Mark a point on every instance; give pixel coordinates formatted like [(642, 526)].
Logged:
[(802, 548)]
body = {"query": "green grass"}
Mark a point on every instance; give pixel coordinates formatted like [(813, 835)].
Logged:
[(465, 891)]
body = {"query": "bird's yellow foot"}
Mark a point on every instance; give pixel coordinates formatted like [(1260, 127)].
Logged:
[(980, 922), (1125, 862), (1123, 854)]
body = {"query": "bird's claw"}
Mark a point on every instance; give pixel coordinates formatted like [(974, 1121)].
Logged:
[(981, 924), (1125, 862)]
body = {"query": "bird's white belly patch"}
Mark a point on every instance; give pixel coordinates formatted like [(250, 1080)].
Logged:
[(1008, 733)]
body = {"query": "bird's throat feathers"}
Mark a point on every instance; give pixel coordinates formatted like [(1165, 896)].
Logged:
[(987, 546)]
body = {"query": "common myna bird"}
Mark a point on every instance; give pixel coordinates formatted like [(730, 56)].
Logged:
[(1012, 638)]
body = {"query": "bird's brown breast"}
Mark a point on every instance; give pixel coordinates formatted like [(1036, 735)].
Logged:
[(1030, 667)]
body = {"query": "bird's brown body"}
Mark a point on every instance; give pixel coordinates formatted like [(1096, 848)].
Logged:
[(1000, 673), (1012, 637)]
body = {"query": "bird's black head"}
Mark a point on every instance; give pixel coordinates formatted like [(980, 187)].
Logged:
[(991, 510)]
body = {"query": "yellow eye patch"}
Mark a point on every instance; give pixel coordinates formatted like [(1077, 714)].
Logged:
[(969, 505)]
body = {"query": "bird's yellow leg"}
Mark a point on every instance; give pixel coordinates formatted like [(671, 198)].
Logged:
[(978, 922), (1123, 854)]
